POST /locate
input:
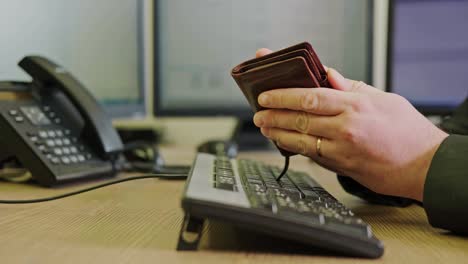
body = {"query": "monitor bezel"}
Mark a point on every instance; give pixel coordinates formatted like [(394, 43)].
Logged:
[(240, 112), (423, 108)]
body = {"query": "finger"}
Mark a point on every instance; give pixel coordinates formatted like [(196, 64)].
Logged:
[(320, 101), (298, 121), (297, 142), (262, 52), (339, 82)]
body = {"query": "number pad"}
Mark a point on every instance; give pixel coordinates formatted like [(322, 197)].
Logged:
[(59, 145)]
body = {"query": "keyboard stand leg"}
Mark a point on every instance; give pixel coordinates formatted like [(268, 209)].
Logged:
[(190, 233)]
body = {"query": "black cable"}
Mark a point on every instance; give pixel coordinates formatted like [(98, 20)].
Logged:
[(285, 169), (46, 199)]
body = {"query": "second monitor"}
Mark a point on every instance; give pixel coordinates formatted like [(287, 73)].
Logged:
[(198, 42)]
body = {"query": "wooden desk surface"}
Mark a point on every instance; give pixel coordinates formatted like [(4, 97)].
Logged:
[(139, 221)]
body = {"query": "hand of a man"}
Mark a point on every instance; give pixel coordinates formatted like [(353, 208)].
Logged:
[(377, 138)]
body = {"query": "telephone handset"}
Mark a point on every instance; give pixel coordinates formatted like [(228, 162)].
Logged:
[(62, 133)]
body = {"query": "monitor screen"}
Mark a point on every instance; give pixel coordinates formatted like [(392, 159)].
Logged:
[(197, 43), (99, 42), (428, 53)]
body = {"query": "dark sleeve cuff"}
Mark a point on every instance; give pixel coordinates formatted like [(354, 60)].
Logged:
[(446, 187)]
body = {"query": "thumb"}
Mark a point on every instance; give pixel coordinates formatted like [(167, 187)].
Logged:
[(341, 83), (262, 52)]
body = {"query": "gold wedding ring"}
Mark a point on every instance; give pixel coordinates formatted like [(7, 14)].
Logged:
[(319, 146)]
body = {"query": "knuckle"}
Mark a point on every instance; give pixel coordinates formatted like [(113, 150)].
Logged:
[(309, 101), (302, 146), (358, 85), (350, 134), (362, 103), (302, 122)]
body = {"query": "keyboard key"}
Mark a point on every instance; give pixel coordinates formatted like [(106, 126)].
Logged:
[(225, 183)]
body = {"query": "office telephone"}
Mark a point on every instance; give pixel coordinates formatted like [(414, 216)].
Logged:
[(60, 133)]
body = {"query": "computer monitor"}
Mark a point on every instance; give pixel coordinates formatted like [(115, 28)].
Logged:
[(197, 43), (428, 53), (99, 42)]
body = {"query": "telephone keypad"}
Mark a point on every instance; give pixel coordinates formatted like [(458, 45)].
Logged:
[(59, 146)]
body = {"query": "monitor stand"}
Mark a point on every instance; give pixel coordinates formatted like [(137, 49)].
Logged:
[(248, 136)]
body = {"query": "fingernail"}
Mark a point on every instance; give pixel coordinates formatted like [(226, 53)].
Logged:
[(258, 120), (265, 131), (264, 99)]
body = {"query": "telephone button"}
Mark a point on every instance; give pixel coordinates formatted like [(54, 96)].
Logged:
[(55, 160), (43, 149), (65, 160), (66, 150), (81, 158), (13, 112), (42, 134), (74, 159), (73, 150), (58, 151), (50, 143), (51, 133), (66, 141), (46, 108), (34, 138), (59, 133), (58, 142), (67, 132), (19, 119), (57, 120)]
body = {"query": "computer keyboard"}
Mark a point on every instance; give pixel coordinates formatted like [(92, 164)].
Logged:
[(246, 193)]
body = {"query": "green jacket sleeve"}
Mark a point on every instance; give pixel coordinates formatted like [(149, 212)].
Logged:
[(458, 122), (446, 188)]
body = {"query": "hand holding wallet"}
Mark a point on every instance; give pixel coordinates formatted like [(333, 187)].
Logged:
[(295, 67)]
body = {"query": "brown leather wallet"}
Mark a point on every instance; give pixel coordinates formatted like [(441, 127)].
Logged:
[(295, 67)]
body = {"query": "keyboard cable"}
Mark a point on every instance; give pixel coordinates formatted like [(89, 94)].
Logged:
[(60, 196), (285, 169)]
